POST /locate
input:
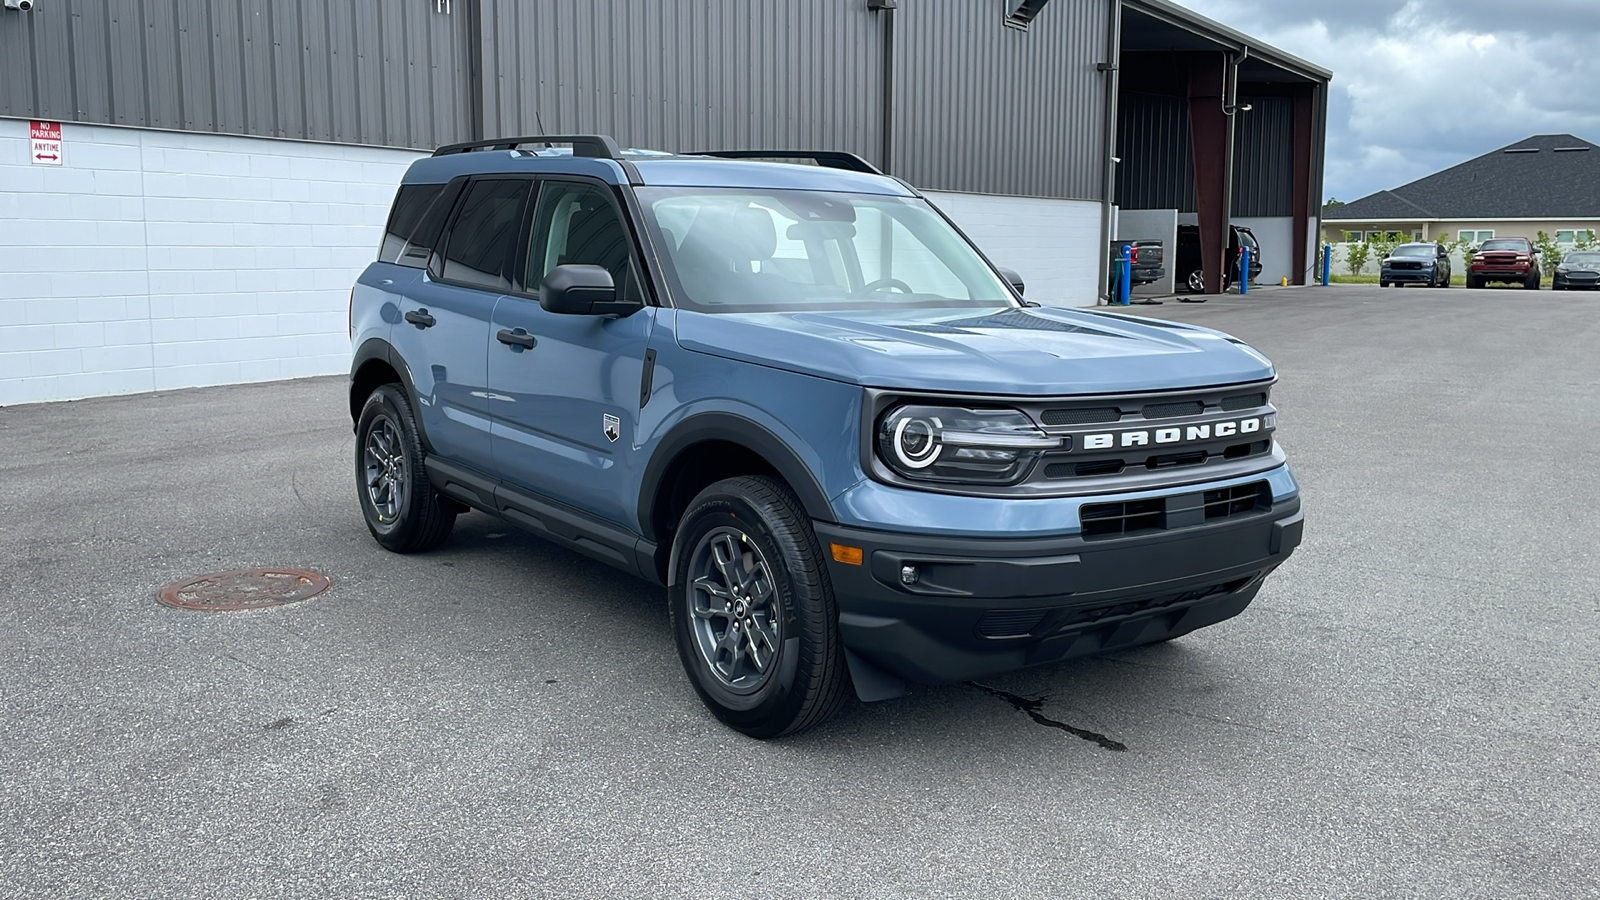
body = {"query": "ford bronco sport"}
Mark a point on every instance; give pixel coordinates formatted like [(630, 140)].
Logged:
[(800, 399)]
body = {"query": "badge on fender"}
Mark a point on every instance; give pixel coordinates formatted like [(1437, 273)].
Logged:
[(612, 426)]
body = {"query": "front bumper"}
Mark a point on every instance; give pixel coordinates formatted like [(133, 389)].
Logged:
[(1577, 279), (979, 607), (1501, 273), (1408, 276)]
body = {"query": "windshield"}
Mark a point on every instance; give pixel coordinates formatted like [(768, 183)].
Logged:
[(1505, 245), (758, 250), (1583, 259), (1423, 251)]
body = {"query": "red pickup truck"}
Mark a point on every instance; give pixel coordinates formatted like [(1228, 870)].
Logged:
[(1504, 260)]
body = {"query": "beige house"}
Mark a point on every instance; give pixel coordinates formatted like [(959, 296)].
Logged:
[(1548, 183)]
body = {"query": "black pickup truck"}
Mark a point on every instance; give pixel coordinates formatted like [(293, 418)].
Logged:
[(1148, 262)]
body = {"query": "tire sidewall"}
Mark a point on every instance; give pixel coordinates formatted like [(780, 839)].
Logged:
[(385, 403), (777, 699)]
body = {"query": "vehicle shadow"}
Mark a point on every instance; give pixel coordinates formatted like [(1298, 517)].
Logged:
[(1091, 700)]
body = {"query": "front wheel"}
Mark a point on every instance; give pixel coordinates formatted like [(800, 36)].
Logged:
[(753, 610), (1532, 284), (402, 509)]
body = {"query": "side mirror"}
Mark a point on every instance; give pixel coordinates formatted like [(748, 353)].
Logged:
[(1012, 278), (583, 291)]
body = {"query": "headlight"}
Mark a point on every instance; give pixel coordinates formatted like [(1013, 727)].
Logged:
[(952, 444)]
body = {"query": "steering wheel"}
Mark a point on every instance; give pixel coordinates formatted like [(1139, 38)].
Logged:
[(882, 283)]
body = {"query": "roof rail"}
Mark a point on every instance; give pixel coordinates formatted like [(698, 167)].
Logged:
[(832, 159), (599, 146)]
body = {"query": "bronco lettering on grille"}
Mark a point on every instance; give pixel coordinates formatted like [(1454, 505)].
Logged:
[(1171, 436)]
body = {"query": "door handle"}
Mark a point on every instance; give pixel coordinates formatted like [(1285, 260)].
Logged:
[(518, 338), (420, 318)]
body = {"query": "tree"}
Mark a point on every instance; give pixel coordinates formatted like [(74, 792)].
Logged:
[(1332, 204), (1460, 245), (1383, 246), (1356, 253), (1585, 240), (1549, 253)]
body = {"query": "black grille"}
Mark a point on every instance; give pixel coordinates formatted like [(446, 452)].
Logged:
[(1084, 469), (1010, 622), (1236, 501), (1104, 519), (1080, 416), (1134, 516), (1173, 410), (1244, 401)]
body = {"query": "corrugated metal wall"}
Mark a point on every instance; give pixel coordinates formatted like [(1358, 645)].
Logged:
[(1156, 147), (983, 107), (1263, 158), (980, 107), (358, 71), (1157, 171), (728, 74)]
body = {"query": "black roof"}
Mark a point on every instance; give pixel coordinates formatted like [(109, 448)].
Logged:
[(1547, 176)]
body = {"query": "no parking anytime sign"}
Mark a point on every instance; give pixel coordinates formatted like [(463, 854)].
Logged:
[(47, 147)]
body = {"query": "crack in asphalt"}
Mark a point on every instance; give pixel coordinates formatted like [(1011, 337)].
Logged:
[(1032, 707)]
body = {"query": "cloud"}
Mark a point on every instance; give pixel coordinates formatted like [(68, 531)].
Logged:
[(1431, 83)]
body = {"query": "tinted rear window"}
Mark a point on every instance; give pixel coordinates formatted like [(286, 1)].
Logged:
[(405, 222), (484, 235)]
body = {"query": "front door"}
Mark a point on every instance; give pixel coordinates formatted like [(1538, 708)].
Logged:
[(564, 389)]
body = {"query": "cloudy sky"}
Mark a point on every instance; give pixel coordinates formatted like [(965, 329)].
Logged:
[(1420, 85)]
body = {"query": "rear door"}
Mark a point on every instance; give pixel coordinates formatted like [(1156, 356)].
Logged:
[(443, 334), (565, 409)]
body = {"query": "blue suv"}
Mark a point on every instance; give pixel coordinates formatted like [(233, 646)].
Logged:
[(794, 394)]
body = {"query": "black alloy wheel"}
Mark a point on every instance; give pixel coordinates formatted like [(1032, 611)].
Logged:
[(403, 511), (753, 611)]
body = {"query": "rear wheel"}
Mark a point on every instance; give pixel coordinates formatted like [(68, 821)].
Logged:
[(403, 511), (753, 610)]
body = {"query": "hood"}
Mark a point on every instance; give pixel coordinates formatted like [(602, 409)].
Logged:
[(1020, 352)]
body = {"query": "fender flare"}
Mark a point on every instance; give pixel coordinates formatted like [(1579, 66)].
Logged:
[(734, 429), (382, 351)]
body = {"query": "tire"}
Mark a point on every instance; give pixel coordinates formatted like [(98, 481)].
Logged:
[(1197, 281), (1473, 283), (1532, 281), (403, 511), (759, 528), (1383, 284)]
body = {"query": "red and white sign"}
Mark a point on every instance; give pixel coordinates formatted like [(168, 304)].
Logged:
[(48, 148)]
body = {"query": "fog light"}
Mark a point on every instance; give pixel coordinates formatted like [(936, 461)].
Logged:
[(908, 574)]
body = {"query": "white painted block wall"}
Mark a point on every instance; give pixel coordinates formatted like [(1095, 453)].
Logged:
[(1055, 245), (155, 260)]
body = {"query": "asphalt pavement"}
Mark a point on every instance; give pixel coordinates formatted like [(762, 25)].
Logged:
[(1409, 708)]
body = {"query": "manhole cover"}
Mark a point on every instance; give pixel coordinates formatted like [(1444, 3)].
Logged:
[(244, 589)]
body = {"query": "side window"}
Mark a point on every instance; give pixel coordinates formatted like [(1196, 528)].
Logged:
[(405, 221), (575, 224), (482, 239)]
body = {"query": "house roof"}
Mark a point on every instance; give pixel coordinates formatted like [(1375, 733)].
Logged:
[(1547, 176)]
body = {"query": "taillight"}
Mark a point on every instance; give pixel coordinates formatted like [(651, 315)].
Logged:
[(1136, 254)]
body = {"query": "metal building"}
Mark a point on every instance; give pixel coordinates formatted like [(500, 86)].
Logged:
[(228, 163)]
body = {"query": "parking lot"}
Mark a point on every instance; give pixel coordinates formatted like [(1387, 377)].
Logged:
[(1409, 708)]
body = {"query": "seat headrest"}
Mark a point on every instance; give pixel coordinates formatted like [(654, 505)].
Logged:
[(754, 234)]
